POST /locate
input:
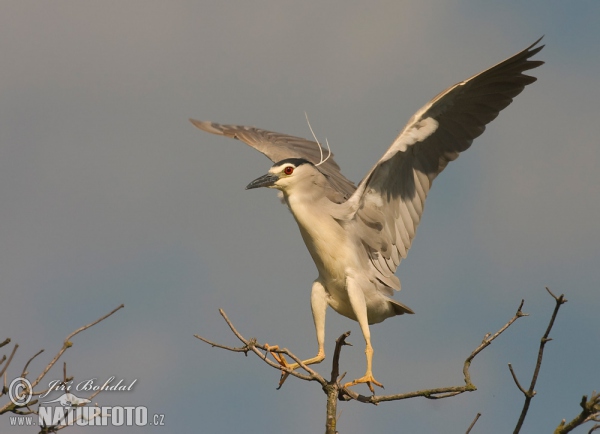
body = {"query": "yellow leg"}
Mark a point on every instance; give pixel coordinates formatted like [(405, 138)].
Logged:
[(318, 304), (368, 377), (359, 306)]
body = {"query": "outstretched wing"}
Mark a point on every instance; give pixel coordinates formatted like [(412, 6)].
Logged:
[(277, 147), (389, 201)]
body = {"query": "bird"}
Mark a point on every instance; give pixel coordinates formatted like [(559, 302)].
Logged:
[(357, 235)]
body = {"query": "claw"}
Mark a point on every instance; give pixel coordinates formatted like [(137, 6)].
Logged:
[(283, 362), (368, 379), (271, 350)]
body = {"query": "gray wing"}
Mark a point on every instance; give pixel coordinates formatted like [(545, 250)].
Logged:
[(277, 147), (389, 201)]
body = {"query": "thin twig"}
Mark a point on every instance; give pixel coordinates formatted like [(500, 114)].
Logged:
[(440, 392), (9, 359), (243, 349), (512, 372), (530, 393), (15, 408), (339, 343), (313, 375), (68, 344), (346, 394), (488, 340), (255, 347), (473, 423), (590, 412), (24, 373)]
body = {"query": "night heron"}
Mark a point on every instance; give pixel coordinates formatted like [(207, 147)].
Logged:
[(357, 236)]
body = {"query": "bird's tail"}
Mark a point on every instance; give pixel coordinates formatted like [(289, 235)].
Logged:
[(400, 308)]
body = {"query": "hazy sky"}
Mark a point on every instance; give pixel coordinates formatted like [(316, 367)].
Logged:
[(108, 195)]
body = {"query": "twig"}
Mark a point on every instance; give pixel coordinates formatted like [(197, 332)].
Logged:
[(9, 359), (590, 413), (24, 373), (339, 343), (488, 340), (530, 393), (473, 423), (15, 408), (254, 346), (243, 349), (68, 344), (441, 392), (347, 394), (512, 372), (332, 389)]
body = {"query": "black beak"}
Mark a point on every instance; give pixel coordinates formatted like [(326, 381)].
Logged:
[(267, 180)]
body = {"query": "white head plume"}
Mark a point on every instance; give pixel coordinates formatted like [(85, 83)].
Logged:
[(317, 140)]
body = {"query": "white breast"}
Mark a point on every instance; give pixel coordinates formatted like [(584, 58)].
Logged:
[(324, 237)]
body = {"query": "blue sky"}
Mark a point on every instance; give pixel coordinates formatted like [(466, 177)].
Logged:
[(110, 196)]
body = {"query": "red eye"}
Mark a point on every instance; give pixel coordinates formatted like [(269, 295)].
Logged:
[(288, 170)]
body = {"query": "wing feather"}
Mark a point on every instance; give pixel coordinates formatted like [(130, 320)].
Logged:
[(389, 201), (278, 146)]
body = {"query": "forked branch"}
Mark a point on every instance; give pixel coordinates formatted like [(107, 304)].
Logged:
[(25, 408), (590, 413), (255, 347), (333, 388), (530, 393), (441, 392)]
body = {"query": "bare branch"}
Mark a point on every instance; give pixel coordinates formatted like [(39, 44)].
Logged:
[(334, 388), (16, 408), (267, 348), (488, 340), (335, 391), (530, 393), (473, 423), (590, 413), (441, 392), (339, 343), (512, 372), (68, 344), (555, 297), (255, 347), (243, 349), (24, 373), (9, 359)]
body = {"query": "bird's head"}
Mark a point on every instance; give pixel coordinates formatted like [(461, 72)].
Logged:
[(287, 174)]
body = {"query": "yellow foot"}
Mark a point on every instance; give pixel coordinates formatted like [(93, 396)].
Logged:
[(283, 362), (368, 378)]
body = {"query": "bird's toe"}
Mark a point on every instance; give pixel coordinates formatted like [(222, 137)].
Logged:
[(368, 379)]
